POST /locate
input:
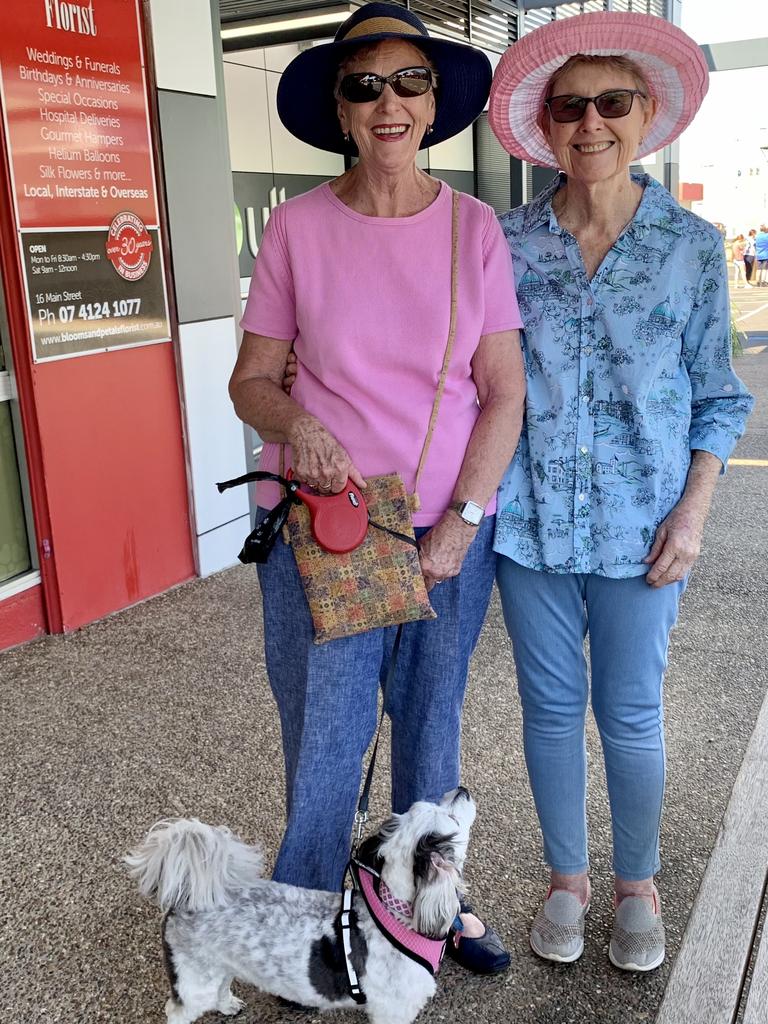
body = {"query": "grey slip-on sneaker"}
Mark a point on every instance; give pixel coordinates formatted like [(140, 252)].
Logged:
[(637, 938), (557, 932)]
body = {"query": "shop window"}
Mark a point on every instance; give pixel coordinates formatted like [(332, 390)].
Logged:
[(14, 545)]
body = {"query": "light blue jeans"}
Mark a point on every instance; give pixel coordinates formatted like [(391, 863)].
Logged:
[(548, 616), (327, 695)]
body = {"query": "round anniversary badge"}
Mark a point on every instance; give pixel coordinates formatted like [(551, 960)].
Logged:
[(129, 246)]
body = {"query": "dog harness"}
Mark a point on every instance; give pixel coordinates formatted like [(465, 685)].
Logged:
[(345, 923), (425, 951)]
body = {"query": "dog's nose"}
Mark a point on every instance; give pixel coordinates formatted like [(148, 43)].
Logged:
[(463, 792)]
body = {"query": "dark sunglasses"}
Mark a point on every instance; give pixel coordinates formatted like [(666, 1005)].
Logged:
[(365, 86), (614, 103)]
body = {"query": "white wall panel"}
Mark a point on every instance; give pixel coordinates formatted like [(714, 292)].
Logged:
[(279, 57), (494, 58), (250, 58), (248, 118), (454, 154), (214, 434), (218, 549), (289, 154), (182, 38)]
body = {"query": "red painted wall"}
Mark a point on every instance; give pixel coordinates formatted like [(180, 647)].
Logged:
[(691, 191), (115, 480), (22, 617), (102, 432)]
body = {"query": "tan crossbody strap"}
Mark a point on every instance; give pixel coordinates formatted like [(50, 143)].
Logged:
[(446, 357), (449, 344)]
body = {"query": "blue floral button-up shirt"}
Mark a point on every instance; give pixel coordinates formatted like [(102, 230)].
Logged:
[(626, 373)]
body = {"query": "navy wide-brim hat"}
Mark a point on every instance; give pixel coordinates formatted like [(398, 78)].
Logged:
[(306, 103)]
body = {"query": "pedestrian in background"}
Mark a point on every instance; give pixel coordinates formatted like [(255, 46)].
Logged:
[(761, 255), (749, 254), (738, 249)]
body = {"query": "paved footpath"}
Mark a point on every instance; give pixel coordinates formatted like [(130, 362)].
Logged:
[(164, 709)]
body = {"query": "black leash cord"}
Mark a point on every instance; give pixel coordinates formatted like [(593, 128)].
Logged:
[(290, 485), (393, 533), (361, 817), (259, 543)]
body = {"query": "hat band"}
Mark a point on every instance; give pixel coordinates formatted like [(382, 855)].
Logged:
[(372, 26)]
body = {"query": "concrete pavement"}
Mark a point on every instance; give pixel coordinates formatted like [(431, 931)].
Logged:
[(750, 307), (164, 709)]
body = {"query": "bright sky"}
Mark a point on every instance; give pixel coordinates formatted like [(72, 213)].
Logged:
[(732, 123), (710, 21)]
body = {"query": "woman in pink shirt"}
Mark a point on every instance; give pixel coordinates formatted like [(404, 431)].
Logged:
[(738, 249), (355, 276)]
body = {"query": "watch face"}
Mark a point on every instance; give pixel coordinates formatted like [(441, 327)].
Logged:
[(472, 513)]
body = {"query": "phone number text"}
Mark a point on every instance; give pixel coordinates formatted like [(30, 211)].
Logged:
[(90, 311)]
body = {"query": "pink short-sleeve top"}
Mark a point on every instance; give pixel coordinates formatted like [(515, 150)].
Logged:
[(366, 302)]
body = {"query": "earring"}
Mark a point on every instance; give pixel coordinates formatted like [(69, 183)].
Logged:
[(430, 129), (346, 136)]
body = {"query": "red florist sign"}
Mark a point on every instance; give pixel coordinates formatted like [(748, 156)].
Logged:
[(76, 112), (74, 100)]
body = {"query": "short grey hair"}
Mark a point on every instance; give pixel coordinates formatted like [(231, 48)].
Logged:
[(616, 62)]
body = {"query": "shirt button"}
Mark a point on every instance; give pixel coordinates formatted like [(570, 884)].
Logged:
[(585, 398), (584, 450), (582, 497), (588, 351)]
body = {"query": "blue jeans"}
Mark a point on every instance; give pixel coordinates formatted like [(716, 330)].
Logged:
[(547, 617), (327, 694)]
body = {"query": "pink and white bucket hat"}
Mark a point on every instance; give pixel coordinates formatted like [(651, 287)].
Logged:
[(672, 62)]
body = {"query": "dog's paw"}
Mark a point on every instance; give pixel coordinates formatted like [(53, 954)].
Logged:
[(231, 1006), (175, 1013)]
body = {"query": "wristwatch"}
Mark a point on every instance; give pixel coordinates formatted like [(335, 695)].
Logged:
[(470, 511)]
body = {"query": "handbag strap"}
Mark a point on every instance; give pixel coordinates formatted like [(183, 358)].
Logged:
[(449, 343)]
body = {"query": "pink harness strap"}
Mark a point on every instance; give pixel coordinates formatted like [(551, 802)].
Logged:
[(428, 952)]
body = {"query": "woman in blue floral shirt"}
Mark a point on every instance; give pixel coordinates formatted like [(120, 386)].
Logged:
[(632, 412)]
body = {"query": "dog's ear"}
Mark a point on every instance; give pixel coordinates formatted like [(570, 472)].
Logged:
[(430, 846), (436, 878), (369, 852)]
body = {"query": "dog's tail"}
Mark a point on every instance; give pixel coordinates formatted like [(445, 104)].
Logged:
[(184, 864)]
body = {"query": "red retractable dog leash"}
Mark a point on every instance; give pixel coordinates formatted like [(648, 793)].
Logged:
[(339, 521)]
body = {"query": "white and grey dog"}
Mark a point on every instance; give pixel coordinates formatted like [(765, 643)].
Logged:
[(224, 922)]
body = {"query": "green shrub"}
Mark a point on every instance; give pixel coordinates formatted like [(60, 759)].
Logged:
[(737, 337)]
